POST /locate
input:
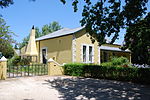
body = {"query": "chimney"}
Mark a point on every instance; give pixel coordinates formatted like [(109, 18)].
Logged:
[(31, 47)]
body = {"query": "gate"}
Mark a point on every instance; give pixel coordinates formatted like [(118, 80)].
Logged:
[(27, 70)]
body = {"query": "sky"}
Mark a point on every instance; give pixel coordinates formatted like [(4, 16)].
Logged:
[(23, 14)]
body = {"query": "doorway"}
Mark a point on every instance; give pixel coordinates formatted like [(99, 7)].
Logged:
[(44, 55)]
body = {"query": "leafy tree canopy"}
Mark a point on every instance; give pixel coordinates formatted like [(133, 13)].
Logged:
[(5, 3), (6, 39), (46, 29), (137, 39), (107, 17)]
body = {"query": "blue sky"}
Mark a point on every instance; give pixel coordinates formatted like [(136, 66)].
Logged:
[(23, 14)]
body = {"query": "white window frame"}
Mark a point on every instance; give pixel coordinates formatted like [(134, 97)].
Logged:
[(41, 54), (87, 53), (73, 48), (99, 55)]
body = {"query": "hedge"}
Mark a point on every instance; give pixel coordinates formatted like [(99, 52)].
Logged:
[(138, 75)]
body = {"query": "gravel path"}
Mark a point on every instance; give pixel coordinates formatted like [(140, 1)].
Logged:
[(27, 88), (70, 88)]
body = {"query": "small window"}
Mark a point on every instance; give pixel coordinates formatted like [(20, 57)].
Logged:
[(84, 53), (90, 53)]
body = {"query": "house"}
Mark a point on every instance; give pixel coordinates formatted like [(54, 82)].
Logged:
[(74, 45)]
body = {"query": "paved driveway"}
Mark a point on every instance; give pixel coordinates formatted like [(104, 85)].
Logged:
[(70, 88)]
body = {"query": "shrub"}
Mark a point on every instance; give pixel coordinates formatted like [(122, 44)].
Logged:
[(139, 75), (25, 61), (74, 69), (16, 60), (117, 61)]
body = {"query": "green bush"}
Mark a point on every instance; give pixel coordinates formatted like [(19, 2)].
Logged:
[(116, 61), (119, 61), (74, 69), (25, 61), (139, 75), (16, 60)]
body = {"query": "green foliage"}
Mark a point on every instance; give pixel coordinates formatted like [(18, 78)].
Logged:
[(5, 3), (46, 29), (74, 69), (6, 40), (117, 62), (138, 75), (24, 61), (52, 27), (16, 61), (137, 39), (105, 18)]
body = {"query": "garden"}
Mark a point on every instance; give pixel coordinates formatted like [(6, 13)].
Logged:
[(18, 67), (117, 69)]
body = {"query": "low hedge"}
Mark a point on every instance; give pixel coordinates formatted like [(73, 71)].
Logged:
[(138, 75)]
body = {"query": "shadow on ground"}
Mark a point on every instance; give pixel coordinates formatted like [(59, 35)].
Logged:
[(93, 89)]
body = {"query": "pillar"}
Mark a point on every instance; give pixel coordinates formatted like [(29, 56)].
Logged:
[(3, 68)]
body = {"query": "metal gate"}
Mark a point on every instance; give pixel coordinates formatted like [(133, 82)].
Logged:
[(27, 70)]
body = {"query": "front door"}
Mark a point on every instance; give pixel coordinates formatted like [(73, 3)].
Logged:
[(44, 58)]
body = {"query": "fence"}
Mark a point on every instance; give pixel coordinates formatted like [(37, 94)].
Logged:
[(3, 66), (27, 70), (52, 68)]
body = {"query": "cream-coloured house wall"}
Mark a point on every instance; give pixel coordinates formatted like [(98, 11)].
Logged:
[(38, 50), (23, 50), (60, 49), (84, 39)]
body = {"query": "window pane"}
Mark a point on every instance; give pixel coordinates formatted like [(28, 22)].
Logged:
[(84, 53), (90, 53), (105, 56)]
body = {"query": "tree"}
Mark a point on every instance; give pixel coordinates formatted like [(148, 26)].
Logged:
[(107, 17), (46, 29), (37, 32), (137, 39), (54, 26), (5, 3), (6, 39)]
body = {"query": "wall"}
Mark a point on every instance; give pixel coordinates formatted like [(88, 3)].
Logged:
[(54, 68), (83, 38), (60, 49), (3, 68)]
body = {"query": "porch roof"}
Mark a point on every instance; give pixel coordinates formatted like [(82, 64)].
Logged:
[(113, 49)]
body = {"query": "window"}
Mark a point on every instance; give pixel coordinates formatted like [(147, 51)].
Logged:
[(90, 54), (105, 56), (44, 55), (87, 54), (84, 53)]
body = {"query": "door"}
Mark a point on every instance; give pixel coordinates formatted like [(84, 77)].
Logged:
[(44, 54)]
